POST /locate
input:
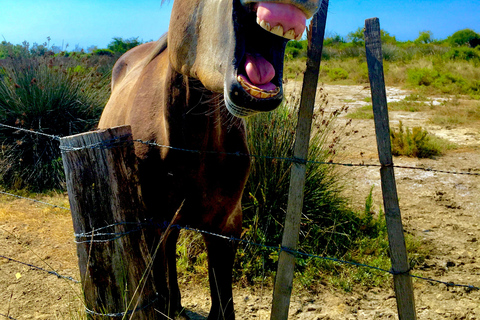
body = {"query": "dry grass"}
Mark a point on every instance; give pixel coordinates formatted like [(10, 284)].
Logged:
[(456, 112), (44, 231), (40, 235)]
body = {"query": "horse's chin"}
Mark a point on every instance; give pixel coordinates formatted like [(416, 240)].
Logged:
[(241, 103)]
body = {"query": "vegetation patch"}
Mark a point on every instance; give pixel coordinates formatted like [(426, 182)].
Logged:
[(365, 112), (454, 112), (410, 106), (47, 96), (416, 143)]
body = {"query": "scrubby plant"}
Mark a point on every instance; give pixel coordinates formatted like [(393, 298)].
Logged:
[(424, 37), (103, 52), (414, 143), (328, 225), (41, 95), (337, 74), (119, 45), (463, 37), (463, 53), (296, 49)]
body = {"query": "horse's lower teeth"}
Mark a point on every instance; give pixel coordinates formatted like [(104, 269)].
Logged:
[(257, 92)]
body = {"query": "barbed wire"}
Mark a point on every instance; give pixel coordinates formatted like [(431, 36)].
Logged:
[(121, 314), (117, 235), (111, 143), (114, 142), (34, 200), (41, 269), (51, 136), (302, 161), (8, 317)]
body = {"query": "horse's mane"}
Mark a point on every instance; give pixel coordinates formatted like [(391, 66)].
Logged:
[(160, 46)]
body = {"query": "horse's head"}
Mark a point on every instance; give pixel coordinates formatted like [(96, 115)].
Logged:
[(236, 47)]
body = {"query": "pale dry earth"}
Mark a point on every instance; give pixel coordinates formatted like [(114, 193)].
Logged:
[(440, 209)]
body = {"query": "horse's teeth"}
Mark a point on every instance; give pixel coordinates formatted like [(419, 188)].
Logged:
[(278, 30), (299, 37), (290, 34), (257, 92), (265, 25)]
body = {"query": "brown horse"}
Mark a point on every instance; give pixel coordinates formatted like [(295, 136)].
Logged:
[(218, 55)]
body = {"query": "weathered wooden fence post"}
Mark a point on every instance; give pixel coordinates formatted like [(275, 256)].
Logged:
[(398, 253), (107, 212), (286, 261)]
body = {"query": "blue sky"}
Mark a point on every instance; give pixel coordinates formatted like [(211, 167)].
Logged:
[(96, 22)]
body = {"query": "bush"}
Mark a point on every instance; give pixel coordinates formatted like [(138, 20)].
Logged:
[(444, 82), (422, 76), (463, 53), (328, 226), (40, 95), (463, 37), (120, 46), (416, 143), (337, 74), (103, 52), (424, 37)]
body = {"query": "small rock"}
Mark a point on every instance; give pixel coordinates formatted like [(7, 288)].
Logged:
[(450, 264)]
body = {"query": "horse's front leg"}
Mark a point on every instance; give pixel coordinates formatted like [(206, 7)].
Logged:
[(175, 309), (221, 255)]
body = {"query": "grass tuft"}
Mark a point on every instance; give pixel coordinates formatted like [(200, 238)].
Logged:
[(44, 95), (416, 143)]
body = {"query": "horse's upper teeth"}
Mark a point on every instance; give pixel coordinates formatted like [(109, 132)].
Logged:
[(290, 34), (278, 30)]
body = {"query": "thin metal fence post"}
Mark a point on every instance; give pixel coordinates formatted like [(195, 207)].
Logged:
[(286, 261), (398, 252)]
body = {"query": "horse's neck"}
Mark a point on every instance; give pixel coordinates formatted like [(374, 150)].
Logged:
[(207, 124)]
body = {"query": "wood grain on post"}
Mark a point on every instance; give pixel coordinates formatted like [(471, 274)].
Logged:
[(103, 188), (286, 261), (398, 252)]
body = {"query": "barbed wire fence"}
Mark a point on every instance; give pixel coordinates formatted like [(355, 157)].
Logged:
[(107, 236)]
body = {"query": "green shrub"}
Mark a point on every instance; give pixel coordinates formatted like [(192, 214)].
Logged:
[(337, 74), (103, 52), (422, 76), (463, 37), (424, 37), (364, 112), (463, 53), (415, 143), (43, 96), (328, 226), (120, 45), (444, 82)]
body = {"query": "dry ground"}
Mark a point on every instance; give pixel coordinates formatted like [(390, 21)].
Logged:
[(440, 209)]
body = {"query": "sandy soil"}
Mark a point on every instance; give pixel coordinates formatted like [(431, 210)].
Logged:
[(440, 209)]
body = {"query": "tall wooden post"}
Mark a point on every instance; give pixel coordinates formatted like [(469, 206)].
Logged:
[(103, 188), (286, 261), (402, 280)]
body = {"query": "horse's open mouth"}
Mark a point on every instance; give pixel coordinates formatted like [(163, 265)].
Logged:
[(254, 81)]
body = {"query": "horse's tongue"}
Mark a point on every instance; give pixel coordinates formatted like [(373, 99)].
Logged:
[(259, 72)]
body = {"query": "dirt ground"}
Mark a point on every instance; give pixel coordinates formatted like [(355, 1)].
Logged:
[(440, 209)]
